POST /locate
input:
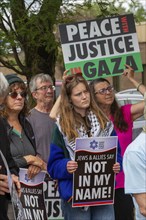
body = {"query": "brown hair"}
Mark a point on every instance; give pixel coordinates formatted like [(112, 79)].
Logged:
[(69, 118), (116, 112), (12, 88)]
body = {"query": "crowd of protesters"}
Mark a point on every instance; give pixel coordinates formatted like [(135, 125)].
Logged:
[(32, 139)]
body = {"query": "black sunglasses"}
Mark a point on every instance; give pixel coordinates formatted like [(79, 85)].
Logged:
[(14, 95)]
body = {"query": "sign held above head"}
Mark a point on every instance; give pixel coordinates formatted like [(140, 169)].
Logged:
[(101, 48)]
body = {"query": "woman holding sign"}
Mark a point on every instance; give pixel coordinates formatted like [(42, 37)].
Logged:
[(122, 117), (78, 116), (19, 130)]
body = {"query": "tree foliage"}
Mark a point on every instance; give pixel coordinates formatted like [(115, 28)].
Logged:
[(29, 26), (131, 6)]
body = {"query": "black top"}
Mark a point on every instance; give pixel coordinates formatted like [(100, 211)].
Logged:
[(21, 144), (5, 148)]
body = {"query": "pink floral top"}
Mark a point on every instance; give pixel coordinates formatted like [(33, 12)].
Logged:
[(125, 138)]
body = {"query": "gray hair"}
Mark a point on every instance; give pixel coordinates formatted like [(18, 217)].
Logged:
[(42, 77), (3, 85)]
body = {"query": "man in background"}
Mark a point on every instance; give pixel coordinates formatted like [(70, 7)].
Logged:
[(42, 90)]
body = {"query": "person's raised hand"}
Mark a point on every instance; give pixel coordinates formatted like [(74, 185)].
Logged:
[(128, 72)]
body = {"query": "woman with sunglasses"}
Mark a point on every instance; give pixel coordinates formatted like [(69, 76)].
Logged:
[(78, 116), (5, 149), (122, 117), (19, 130)]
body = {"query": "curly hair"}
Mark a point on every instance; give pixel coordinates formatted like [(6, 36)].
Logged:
[(116, 112), (12, 88), (69, 118)]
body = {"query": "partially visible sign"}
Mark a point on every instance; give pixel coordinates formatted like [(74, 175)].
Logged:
[(39, 196), (94, 180), (101, 48), (52, 199), (32, 195), (16, 203)]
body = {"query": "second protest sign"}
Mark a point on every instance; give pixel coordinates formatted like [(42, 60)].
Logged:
[(94, 179)]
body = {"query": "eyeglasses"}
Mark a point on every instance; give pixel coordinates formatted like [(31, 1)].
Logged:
[(45, 88), (104, 90), (69, 78), (14, 95)]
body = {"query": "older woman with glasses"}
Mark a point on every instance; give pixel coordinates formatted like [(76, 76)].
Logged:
[(5, 149), (122, 117), (19, 130), (78, 116)]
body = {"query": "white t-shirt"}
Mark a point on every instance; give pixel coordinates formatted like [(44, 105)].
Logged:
[(134, 165)]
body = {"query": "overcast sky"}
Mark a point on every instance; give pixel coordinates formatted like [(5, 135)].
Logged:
[(141, 1)]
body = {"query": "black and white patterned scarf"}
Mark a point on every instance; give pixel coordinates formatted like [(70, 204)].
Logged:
[(95, 131)]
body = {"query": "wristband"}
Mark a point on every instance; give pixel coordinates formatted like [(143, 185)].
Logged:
[(139, 86)]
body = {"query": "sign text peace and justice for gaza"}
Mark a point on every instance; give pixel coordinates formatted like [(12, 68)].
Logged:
[(101, 47)]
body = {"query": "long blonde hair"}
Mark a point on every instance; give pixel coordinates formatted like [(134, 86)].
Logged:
[(69, 118)]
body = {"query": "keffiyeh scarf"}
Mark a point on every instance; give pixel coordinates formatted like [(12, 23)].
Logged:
[(95, 131)]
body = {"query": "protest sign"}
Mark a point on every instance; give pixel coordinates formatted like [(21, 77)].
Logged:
[(94, 180), (16, 203), (101, 48), (52, 199), (32, 195)]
